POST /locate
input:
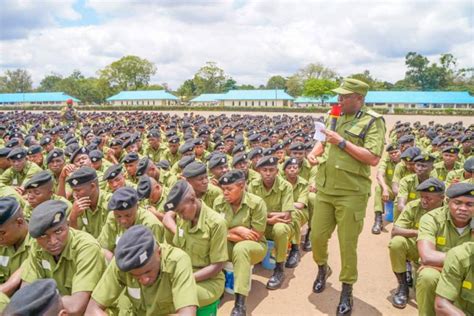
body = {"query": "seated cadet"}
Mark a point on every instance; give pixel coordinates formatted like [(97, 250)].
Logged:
[(158, 278), (47, 143), (147, 167), (407, 189), (115, 179), (402, 246), (80, 157), (196, 175), (55, 163), (40, 188), (89, 210), (450, 162), (14, 244), (152, 196), (278, 196), (185, 150), (171, 153), (383, 189), (254, 156), (405, 167), (199, 149), (465, 174), (155, 150), (21, 170), (280, 153), (166, 177), (130, 162), (466, 151), (34, 154), (246, 218), (301, 214), (72, 258), (217, 166), (4, 162), (440, 230), (97, 162), (240, 162), (115, 153), (454, 292), (201, 233), (38, 298), (124, 213)]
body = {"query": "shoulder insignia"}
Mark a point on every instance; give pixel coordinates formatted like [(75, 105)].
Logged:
[(374, 114)]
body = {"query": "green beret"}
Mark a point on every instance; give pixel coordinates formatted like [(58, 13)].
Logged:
[(290, 161), (34, 149), (142, 166), (194, 169), (96, 155), (431, 185), (231, 177), (135, 248), (46, 215), (17, 153), (144, 187), (82, 175), (186, 160), (451, 150), (112, 172), (177, 192), (238, 158), (123, 199), (460, 189), (267, 161), (55, 153), (33, 299), (79, 151), (217, 160), (130, 157), (350, 85), (39, 179), (8, 207), (297, 146)]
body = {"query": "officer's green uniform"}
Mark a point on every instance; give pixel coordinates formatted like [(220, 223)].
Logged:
[(79, 268), (28, 209), (344, 185), (438, 228), (11, 258), (174, 288), (92, 221), (440, 169), (212, 193), (407, 190), (299, 216), (457, 279), (251, 214), (111, 232), (205, 243), (387, 167), (14, 178), (278, 199)]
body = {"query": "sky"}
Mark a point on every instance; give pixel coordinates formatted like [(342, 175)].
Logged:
[(251, 40)]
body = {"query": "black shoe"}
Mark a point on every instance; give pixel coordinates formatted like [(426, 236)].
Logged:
[(378, 224), (276, 280), (400, 298), (239, 306), (293, 258), (346, 301), (307, 241), (409, 275), (324, 273)]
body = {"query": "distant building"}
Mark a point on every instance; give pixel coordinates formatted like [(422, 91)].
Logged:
[(206, 99), (246, 98), (150, 97), (302, 102), (36, 98)]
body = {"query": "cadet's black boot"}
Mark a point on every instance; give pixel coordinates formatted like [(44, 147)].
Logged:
[(239, 306), (293, 257), (409, 275), (277, 278), (346, 301), (307, 241), (323, 274), (400, 298), (378, 224)]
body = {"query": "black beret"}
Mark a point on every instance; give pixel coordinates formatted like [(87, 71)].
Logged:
[(96, 155), (194, 169), (186, 160), (198, 141), (112, 172), (406, 139), (129, 142), (144, 187), (217, 160), (431, 185), (8, 207), (469, 164), (4, 152), (255, 152), (392, 147), (34, 149), (55, 153), (17, 153), (123, 199), (451, 150), (135, 248), (238, 148), (33, 299), (82, 175), (239, 158), (278, 147), (45, 140), (267, 161), (177, 192), (219, 144), (186, 147), (72, 140), (232, 177), (173, 139), (130, 157), (466, 138), (290, 161), (460, 189), (39, 179), (410, 153), (154, 133), (46, 215), (116, 142), (268, 152), (229, 137), (297, 146), (163, 164), (424, 157), (12, 143), (142, 166), (79, 151)]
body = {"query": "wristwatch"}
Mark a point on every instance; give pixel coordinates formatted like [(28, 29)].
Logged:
[(342, 144)]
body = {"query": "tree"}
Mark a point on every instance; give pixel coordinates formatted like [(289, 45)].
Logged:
[(319, 88), (18, 80), (210, 79), (276, 82), (230, 84), (373, 83), (187, 89), (295, 85), (50, 83), (246, 87), (317, 71), (128, 73), (155, 87)]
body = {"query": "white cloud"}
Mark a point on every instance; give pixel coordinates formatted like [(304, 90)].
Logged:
[(250, 40)]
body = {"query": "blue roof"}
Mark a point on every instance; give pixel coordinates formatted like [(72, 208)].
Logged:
[(143, 95), (416, 97), (207, 97), (256, 95), (307, 100), (35, 97)]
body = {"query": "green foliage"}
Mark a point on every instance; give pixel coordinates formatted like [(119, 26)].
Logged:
[(276, 82), (319, 88), (210, 79), (14, 81), (373, 83)]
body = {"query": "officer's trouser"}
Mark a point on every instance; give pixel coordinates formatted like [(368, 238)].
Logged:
[(244, 254), (426, 290), (210, 290), (298, 219), (347, 212), (311, 203), (378, 202), (402, 249), (280, 233)]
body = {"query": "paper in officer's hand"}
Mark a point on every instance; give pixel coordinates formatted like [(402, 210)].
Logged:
[(318, 132)]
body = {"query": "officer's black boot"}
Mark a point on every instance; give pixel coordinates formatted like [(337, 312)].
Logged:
[(277, 278), (239, 306), (307, 241), (378, 224), (323, 274), (346, 301), (293, 257), (409, 275), (400, 298)]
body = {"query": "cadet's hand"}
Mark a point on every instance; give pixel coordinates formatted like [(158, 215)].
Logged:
[(385, 195), (80, 205), (67, 171), (215, 182), (332, 137), (20, 190), (312, 188), (272, 220), (312, 159)]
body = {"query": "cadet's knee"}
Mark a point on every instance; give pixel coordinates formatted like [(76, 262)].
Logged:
[(397, 243), (281, 230), (427, 278)]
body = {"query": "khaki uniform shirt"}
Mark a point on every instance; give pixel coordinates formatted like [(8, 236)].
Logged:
[(441, 172), (11, 259), (19, 179), (279, 198), (29, 209), (410, 217), (93, 221), (212, 193)]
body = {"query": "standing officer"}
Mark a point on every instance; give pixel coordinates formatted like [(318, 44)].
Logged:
[(343, 183)]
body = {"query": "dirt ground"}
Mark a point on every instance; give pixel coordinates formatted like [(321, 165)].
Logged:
[(375, 283)]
